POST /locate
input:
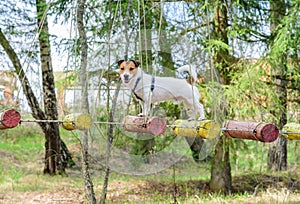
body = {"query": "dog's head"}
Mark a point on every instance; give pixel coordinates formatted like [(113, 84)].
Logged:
[(128, 69)]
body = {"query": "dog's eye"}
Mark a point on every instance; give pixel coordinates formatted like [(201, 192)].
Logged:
[(131, 69), (122, 68)]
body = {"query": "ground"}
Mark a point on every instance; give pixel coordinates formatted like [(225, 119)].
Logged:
[(126, 191), (22, 181)]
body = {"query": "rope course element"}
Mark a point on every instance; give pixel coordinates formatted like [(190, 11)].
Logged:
[(9, 119), (207, 129), (291, 131), (153, 125), (77, 121), (264, 132)]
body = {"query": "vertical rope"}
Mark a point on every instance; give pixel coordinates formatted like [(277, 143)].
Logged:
[(154, 70)]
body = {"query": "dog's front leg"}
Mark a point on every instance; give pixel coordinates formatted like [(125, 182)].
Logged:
[(147, 108), (142, 105)]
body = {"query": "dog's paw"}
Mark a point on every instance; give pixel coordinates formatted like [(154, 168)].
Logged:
[(201, 118), (191, 118)]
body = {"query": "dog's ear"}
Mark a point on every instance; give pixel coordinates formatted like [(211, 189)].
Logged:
[(136, 63), (120, 62)]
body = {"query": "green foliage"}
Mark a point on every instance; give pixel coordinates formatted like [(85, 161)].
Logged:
[(213, 99), (101, 114), (217, 45), (250, 95), (287, 39), (171, 110)]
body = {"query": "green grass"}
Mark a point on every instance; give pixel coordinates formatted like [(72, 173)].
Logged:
[(23, 147), (21, 166)]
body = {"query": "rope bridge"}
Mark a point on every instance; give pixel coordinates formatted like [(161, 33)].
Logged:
[(207, 129)]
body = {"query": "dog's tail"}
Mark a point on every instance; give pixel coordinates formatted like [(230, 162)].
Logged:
[(192, 72)]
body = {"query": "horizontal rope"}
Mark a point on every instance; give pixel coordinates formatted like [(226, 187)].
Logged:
[(121, 123), (43, 121)]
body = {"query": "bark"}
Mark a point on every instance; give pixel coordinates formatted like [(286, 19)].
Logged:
[(277, 155), (220, 170), (89, 189), (37, 112), (53, 160)]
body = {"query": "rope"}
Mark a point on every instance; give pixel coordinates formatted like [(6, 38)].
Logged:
[(154, 71), (43, 121), (133, 124), (122, 123)]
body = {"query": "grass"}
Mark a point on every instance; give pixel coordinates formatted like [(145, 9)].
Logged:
[(21, 178)]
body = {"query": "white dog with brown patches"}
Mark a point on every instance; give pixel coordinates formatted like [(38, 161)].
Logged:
[(157, 89)]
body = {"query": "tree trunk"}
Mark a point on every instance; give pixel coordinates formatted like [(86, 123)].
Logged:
[(89, 189), (277, 155), (37, 112), (220, 170), (53, 160)]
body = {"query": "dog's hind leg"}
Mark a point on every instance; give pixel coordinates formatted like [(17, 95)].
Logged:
[(200, 111), (195, 109)]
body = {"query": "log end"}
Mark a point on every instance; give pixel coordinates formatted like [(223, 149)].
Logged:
[(151, 125), (10, 119), (291, 131), (269, 133), (77, 121)]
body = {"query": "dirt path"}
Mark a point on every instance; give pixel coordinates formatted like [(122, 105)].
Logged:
[(153, 191)]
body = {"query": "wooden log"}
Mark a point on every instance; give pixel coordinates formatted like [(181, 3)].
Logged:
[(206, 129), (264, 132), (9, 119), (77, 121), (152, 125), (291, 131)]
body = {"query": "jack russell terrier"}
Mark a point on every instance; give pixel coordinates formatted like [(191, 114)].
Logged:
[(146, 87)]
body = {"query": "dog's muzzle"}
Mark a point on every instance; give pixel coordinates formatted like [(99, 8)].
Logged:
[(126, 78)]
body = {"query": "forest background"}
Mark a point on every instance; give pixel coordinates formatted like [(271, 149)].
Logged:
[(247, 59)]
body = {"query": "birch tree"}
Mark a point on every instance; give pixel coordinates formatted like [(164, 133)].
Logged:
[(56, 153)]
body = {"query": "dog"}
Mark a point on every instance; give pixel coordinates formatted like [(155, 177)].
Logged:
[(149, 89)]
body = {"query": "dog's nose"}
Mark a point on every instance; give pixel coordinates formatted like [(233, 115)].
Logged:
[(126, 76)]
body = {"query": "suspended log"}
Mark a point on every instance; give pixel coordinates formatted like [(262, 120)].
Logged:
[(264, 132), (9, 119), (291, 131), (152, 125), (77, 121), (206, 129)]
